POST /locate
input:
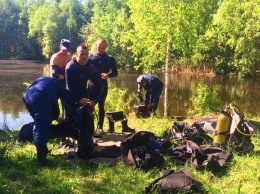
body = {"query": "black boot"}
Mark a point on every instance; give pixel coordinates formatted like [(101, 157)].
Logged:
[(111, 127), (42, 160), (125, 128)]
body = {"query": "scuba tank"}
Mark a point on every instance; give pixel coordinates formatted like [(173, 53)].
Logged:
[(222, 128)]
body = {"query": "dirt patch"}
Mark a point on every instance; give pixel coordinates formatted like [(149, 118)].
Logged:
[(204, 117), (107, 140)]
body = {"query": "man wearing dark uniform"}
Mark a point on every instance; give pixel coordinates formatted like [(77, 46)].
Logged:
[(105, 65), (78, 72), (41, 100), (153, 87)]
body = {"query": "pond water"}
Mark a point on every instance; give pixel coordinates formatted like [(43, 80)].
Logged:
[(244, 92)]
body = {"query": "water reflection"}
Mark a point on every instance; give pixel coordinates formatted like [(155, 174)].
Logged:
[(242, 91), (13, 75)]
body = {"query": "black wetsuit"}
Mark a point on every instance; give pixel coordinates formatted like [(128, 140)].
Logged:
[(103, 63), (77, 77)]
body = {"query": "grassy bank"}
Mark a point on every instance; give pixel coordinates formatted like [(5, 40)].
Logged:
[(19, 172)]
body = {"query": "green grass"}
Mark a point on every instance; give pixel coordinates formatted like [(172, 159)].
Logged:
[(19, 172)]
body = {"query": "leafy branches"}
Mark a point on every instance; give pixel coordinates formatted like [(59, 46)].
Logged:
[(218, 36), (115, 99), (206, 99), (235, 31)]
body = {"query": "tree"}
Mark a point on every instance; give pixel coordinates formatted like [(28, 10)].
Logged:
[(149, 33), (234, 37), (9, 31), (110, 21), (53, 21)]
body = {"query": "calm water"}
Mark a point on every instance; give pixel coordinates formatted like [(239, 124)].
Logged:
[(242, 91)]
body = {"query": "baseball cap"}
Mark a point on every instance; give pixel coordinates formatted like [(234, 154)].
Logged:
[(65, 44), (140, 80)]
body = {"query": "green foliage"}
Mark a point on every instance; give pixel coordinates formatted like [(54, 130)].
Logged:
[(13, 32), (5, 132), (206, 99), (110, 21), (219, 36), (115, 99), (6, 138), (234, 37), (53, 21), (149, 32), (4, 127), (4, 148)]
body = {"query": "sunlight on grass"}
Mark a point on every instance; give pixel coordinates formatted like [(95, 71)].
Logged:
[(19, 172)]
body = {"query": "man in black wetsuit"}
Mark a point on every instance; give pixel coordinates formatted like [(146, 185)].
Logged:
[(78, 72), (105, 65)]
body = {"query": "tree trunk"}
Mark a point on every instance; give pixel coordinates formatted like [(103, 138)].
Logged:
[(168, 49)]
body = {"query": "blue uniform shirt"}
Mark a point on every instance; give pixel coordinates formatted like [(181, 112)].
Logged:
[(54, 90)]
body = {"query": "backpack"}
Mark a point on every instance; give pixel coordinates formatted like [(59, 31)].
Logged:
[(139, 150), (64, 129), (84, 124), (26, 132), (201, 157), (239, 138), (80, 127), (174, 182), (208, 157)]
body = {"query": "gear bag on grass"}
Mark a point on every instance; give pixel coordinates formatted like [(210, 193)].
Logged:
[(139, 150), (182, 131), (201, 157), (234, 130), (139, 157), (64, 129), (208, 157), (84, 124), (26, 132), (240, 131), (217, 158), (174, 182)]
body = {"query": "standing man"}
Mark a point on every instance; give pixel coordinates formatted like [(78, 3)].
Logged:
[(57, 69), (78, 72), (153, 87), (41, 100), (105, 65), (59, 60)]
